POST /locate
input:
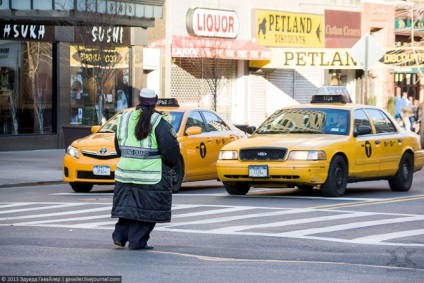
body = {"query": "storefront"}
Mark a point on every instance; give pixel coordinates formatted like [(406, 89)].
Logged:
[(74, 70), (196, 69)]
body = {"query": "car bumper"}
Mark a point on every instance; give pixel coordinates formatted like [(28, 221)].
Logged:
[(81, 170), (289, 172)]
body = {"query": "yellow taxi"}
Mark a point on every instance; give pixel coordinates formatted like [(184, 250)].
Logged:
[(326, 144), (200, 132)]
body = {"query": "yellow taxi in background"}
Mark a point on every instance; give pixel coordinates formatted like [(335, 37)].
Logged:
[(200, 132), (326, 144)]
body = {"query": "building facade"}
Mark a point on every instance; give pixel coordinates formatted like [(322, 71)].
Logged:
[(66, 65), (290, 51)]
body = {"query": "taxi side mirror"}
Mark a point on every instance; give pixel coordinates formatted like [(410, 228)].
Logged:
[(193, 131), (362, 130), (250, 129), (95, 128)]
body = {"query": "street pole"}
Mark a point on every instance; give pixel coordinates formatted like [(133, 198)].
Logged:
[(366, 71)]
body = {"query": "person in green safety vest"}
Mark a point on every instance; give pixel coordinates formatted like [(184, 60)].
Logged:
[(148, 150)]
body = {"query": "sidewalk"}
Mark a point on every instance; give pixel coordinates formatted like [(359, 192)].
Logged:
[(45, 166), (30, 166)]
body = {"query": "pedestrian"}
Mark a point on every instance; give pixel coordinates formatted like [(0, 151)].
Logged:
[(148, 150), (399, 103)]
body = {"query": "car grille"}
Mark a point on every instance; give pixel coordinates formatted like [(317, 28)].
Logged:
[(262, 154), (97, 155), (90, 175)]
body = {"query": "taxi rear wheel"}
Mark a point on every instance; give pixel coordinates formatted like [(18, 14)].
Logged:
[(238, 189), (335, 185), (81, 187), (177, 177), (402, 181)]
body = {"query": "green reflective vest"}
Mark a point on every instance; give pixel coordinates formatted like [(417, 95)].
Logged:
[(140, 161)]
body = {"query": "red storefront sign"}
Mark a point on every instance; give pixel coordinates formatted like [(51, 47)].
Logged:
[(212, 23), (197, 47)]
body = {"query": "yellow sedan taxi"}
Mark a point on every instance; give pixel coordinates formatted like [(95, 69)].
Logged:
[(200, 132), (326, 144)]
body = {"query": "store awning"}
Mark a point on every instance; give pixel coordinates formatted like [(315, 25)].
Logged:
[(221, 48)]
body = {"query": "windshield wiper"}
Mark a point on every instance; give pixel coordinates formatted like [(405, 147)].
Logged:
[(106, 131), (307, 131)]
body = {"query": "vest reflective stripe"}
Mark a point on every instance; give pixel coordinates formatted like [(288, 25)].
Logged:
[(140, 161)]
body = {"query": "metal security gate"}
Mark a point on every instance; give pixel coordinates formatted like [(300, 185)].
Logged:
[(307, 83), (193, 81), (257, 99)]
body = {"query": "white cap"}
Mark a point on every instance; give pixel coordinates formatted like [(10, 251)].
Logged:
[(147, 93)]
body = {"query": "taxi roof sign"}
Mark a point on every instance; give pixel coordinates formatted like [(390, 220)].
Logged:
[(171, 102), (332, 94)]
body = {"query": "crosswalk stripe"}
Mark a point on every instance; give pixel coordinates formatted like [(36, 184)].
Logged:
[(354, 225), (233, 229), (188, 218), (39, 208), (57, 213)]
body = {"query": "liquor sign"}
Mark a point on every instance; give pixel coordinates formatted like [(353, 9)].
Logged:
[(212, 23)]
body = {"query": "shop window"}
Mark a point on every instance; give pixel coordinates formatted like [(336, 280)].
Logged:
[(99, 84), (26, 88)]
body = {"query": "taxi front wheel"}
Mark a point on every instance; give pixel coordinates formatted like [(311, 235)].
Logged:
[(81, 187), (238, 189), (402, 180), (335, 185)]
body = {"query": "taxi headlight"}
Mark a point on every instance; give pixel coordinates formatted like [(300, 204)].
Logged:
[(72, 151), (228, 155), (307, 155)]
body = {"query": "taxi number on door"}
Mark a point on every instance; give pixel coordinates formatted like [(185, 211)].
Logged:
[(102, 170), (258, 171)]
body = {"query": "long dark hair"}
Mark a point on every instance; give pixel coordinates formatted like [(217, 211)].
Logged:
[(143, 127)]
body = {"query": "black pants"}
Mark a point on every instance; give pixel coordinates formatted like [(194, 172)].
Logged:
[(135, 232)]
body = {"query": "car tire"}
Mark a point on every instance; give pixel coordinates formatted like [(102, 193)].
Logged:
[(81, 187), (238, 189), (335, 185), (177, 177), (402, 180)]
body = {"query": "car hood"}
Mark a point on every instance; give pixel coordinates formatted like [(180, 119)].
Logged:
[(294, 141), (96, 140)]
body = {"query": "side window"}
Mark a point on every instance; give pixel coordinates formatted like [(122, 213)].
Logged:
[(381, 122), (361, 119), (214, 122), (195, 119)]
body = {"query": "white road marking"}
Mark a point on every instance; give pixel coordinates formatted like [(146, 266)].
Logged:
[(223, 216)]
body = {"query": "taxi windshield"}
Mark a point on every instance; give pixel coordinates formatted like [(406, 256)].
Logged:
[(173, 117), (306, 120)]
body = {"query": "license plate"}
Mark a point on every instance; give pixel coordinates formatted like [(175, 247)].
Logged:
[(258, 171), (102, 170)]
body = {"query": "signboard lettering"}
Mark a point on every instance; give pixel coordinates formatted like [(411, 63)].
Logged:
[(108, 35), (278, 28), (36, 32), (212, 23)]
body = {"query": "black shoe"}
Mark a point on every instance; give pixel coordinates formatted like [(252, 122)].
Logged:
[(119, 243), (146, 247)]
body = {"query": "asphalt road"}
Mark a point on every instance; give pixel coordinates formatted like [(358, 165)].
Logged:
[(283, 235)]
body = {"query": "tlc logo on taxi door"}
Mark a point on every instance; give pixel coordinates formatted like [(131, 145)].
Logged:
[(212, 23)]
